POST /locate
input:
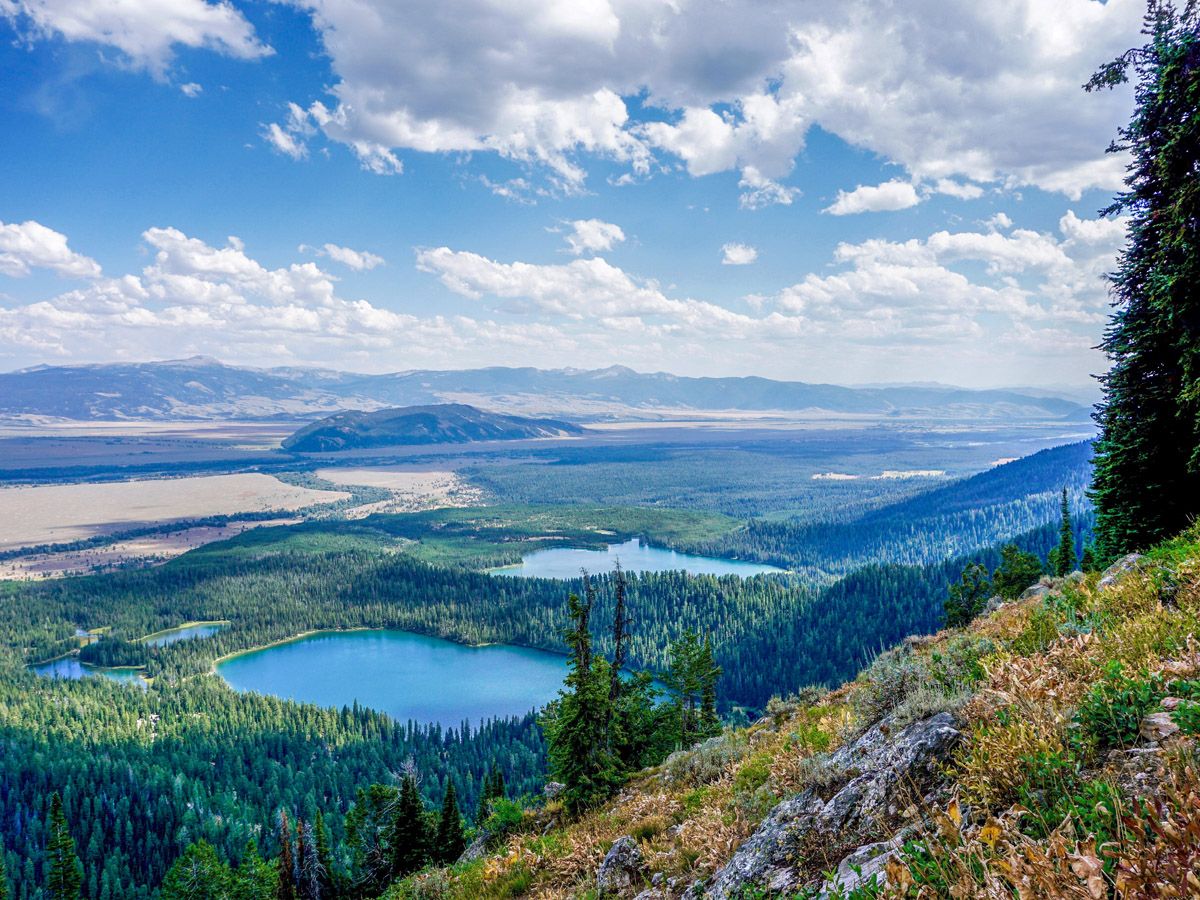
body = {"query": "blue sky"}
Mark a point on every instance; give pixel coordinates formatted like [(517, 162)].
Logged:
[(860, 193)]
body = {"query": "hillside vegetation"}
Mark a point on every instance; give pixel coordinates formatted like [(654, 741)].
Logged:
[(1047, 750)]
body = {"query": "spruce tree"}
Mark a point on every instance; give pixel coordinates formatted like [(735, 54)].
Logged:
[(64, 872), (1064, 557), (324, 856), (199, 874), (1146, 481), (254, 878), (4, 895), (576, 723), (410, 831), (968, 597), (1017, 571), (710, 673), (450, 841)]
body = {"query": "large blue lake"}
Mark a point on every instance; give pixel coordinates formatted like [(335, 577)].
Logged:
[(565, 562), (408, 676)]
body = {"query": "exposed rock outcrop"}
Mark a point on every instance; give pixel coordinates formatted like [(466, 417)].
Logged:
[(1117, 570), (865, 866), (623, 868), (881, 772)]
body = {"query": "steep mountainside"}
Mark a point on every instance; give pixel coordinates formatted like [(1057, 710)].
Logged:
[(446, 423), (1049, 749), (201, 388)]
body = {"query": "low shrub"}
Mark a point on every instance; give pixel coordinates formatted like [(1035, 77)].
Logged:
[(1111, 713), (706, 762)]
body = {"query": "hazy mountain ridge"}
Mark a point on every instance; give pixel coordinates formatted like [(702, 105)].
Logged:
[(201, 388), (445, 423)]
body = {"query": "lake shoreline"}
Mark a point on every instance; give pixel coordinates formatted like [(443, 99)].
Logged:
[(164, 631), (404, 674)]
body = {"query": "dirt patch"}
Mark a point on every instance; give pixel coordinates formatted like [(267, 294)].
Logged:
[(135, 553), (62, 513), (413, 488)]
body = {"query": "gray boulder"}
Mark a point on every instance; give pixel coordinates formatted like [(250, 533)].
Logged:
[(1119, 569), (623, 868), (864, 867), (478, 848), (1041, 589), (878, 771)]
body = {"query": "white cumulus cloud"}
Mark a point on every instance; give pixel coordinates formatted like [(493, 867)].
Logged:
[(145, 33), (358, 260), (988, 96), (31, 245), (593, 236), (735, 254), (886, 197)]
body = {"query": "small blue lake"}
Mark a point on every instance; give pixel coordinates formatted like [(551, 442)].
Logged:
[(565, 562), (408, 676), (71, 667), (183, 633)]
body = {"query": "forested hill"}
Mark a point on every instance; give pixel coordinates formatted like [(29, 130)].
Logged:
[(442, 423), (985, 509)]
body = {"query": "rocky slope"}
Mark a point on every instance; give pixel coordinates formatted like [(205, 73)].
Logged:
[(1047, 750)]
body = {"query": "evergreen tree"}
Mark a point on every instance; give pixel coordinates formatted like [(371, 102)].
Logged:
[(968, 597), (1017, 571), (4, 895), (199, 874), (254, 878), (328, 877), (692, 680), (286, 889), (370, 827), (1146, 483), (65, 873), (410, 832), (710, 674), (493, 789), (576, 723), (1064, 556), (1088, 562), (450, 841)]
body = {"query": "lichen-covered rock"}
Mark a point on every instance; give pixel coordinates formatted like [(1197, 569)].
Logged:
[(552, 789), (768, 856), (1041, 589), (478, 848), (623, 868), (862, 868), (1157, 726), (882, 767), (1117, 570)]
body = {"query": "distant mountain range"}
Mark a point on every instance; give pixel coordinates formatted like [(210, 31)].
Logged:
[(443, 423), (205, 389)]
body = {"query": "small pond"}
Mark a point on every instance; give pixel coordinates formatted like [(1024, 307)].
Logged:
[(71, 667)]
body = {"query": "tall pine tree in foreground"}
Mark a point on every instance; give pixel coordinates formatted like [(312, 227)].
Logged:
[(1062, 557), (64, 873), (1146, 484), (449, 843)]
